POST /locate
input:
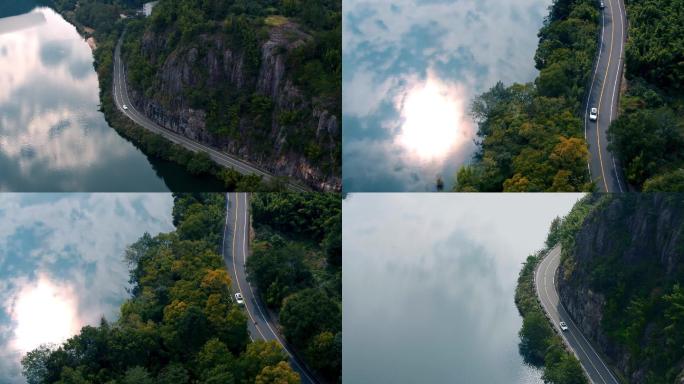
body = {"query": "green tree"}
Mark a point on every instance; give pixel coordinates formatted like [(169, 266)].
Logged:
[(260, 354), (200, 163), (332, 243), (173, 373), (137, 375), (534, 336), (74, 376), (554, 232), (674, 315), (281, 373), (278, 271), (566, 371), (325, 353), (308, 313), (34, 364), (185, 328)]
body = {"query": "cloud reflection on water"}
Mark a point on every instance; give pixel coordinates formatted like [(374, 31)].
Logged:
[(432, 119), (17, 23), (64, 252), (45, 312), (429, 282), (388, 47), (52, 135)]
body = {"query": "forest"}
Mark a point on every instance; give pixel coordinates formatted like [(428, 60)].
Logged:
[(297, 267), (648, 136), (180, 324), (530, 135)]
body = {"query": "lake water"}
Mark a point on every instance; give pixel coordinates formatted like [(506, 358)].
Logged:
[(410, 71), (429, 283), (52, 135), (62, 264)]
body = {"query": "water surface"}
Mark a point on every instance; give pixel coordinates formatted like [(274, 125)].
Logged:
[(429, 281), (52, 135), (62, 265), (410, 71)]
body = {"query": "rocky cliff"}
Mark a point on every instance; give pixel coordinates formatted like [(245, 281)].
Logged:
[(298, 136), (628, 256)]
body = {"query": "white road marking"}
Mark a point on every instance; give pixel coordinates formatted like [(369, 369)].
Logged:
[(542, 271)]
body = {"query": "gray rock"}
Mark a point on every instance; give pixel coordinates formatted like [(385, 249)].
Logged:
[(222, 66)]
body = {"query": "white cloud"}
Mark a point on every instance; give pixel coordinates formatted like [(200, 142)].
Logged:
[(363, 93)]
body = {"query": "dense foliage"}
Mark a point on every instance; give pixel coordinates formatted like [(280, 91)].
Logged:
[(648, 137), (296, 264), (531, 138), (563, 230), (236, 111), (180, 325), (539, 344)]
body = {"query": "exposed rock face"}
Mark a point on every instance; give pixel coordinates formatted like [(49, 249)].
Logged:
[(632, 231), (225, 67)]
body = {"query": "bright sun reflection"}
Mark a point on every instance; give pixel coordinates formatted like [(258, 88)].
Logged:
[(44, 313), (432, 112)]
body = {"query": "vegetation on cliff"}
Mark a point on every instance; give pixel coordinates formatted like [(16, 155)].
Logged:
[(627, 253), (297, 266), (531, 136), (262, 73), (180, 325), (648, 136)]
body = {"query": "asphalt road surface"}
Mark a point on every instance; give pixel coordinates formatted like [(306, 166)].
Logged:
[(235, 252), (604, 93), (121, 98), (545, 283)]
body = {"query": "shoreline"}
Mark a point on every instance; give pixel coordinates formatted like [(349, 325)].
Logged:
[(544, 357), (150, 144)]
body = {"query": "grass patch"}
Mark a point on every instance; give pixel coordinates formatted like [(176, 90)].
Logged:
[(276, 20)]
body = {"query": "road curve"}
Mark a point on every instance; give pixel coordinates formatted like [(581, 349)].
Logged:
[(545, 284), (235, 251), (604, 93), (121, 98)]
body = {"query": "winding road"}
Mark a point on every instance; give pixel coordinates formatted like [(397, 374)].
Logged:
[(122, 98), (604, 94), (545, 283), (235, 250)]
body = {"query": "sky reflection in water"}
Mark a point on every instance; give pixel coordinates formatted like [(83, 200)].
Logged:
[(52, 135), (62, 266), (428, 285), (393, 51)]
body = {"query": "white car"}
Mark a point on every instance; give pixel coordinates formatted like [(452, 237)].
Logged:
[(239, 299), (593, 114), (125, 107), (563, 326)]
